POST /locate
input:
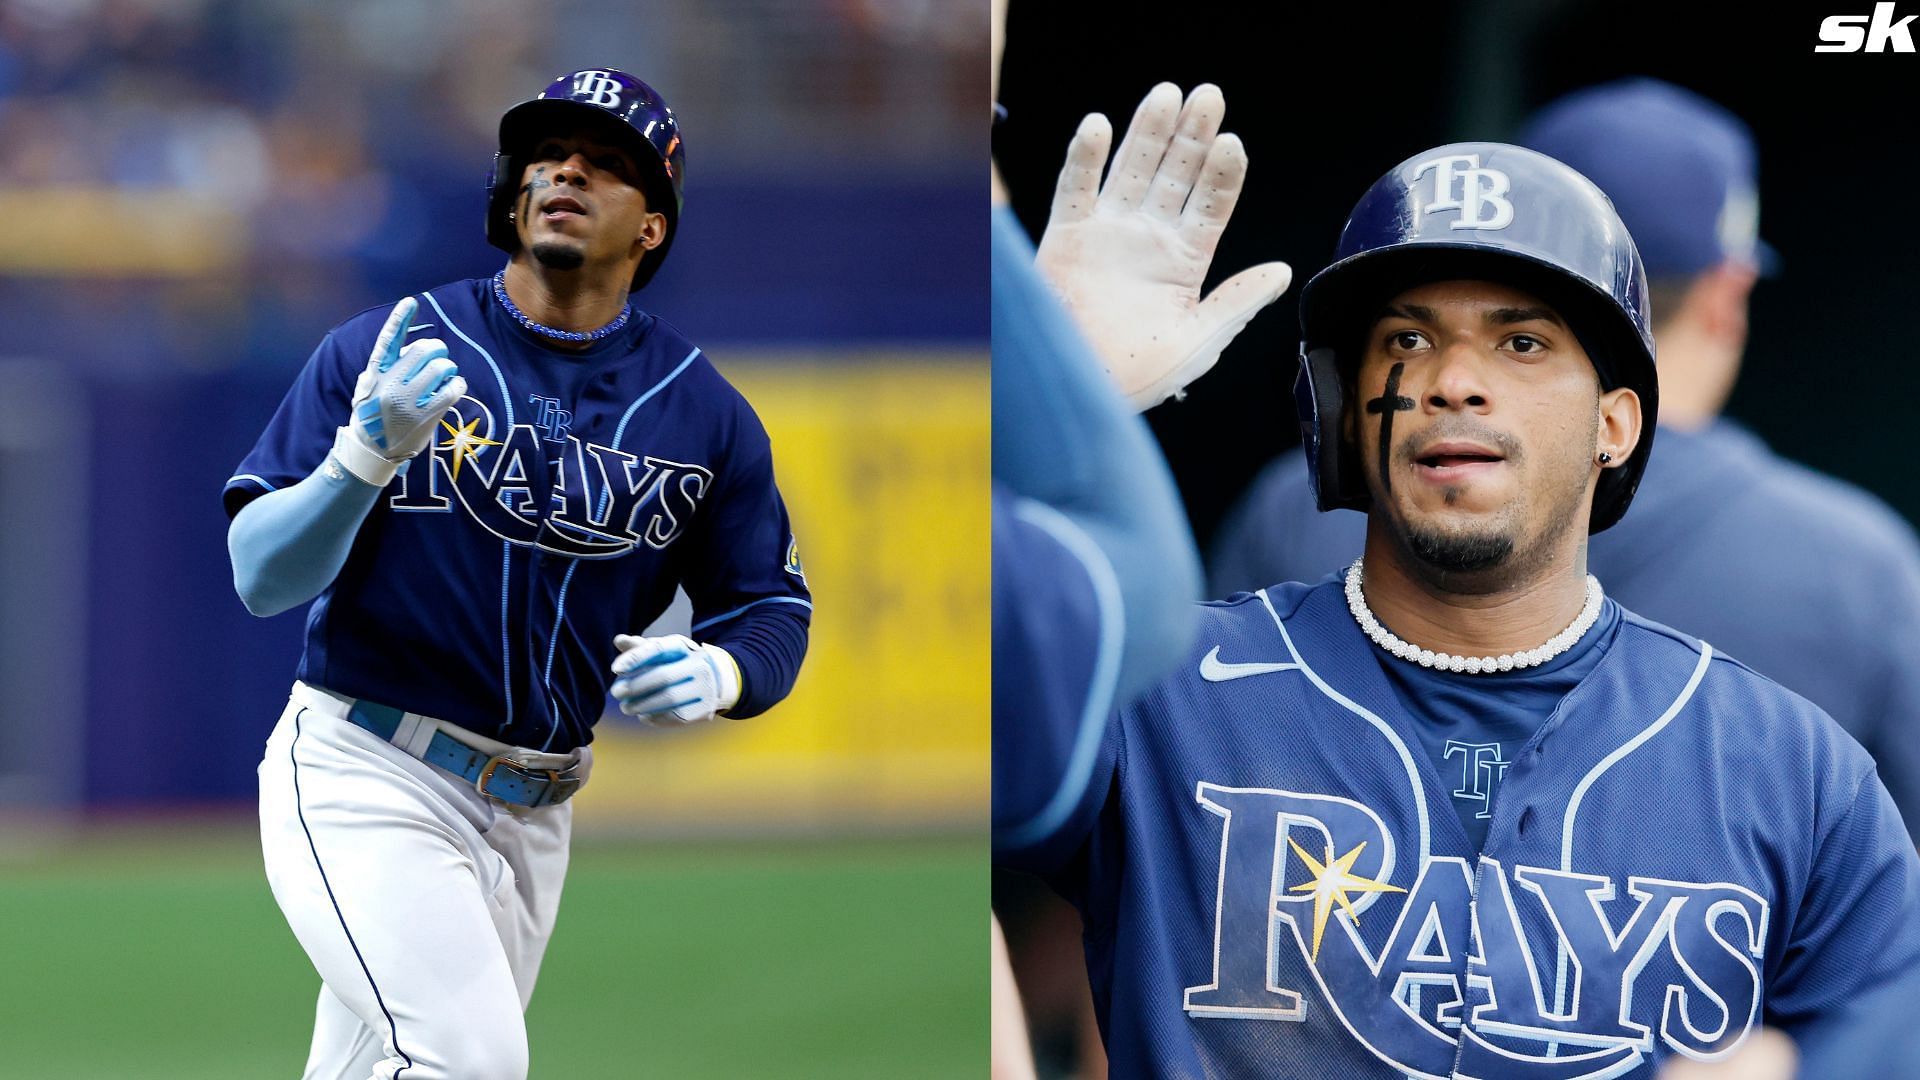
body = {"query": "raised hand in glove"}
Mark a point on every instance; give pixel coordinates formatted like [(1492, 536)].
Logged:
[(673, 680), (1128, 258), (401, 396)]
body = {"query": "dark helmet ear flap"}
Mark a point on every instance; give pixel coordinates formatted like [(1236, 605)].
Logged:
[(500, 192), (1333, 461)]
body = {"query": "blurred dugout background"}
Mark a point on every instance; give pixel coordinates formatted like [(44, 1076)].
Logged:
[(1330, 96), (193, 192), (1327, 97)]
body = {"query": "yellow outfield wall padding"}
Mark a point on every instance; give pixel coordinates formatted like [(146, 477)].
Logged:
[(883, 461)]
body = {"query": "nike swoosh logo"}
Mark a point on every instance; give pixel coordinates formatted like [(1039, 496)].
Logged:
[(1213, 670)]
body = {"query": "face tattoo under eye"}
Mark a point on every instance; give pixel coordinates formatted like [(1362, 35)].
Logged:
[(1389, 402)]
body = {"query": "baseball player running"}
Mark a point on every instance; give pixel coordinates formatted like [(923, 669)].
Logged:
[(490, 489), (1664, 850)]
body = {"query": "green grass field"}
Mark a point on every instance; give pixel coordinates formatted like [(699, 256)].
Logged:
[(154, 958)]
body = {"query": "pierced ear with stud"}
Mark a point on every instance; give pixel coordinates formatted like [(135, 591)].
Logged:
[(1606, 458)]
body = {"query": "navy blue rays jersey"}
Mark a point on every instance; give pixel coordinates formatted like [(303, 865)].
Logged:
[(1275, 884), (564, 498)]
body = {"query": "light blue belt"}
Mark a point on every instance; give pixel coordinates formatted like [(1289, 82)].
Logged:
[(498, 778)]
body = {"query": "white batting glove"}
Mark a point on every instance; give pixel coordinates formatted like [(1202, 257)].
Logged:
[(1128, 258), (405, 390), (673, 680)]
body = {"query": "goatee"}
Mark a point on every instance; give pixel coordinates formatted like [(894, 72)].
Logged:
[(558, 256), (1457, 553)]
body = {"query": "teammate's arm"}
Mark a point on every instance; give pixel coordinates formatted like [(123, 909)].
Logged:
[(1062, 438), (1094, 568), (1057, 644), (1128, 258)]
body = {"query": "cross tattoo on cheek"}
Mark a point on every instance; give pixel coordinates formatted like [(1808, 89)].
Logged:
[(1388, 403), (526, 193)]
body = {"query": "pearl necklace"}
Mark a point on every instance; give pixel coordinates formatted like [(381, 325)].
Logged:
[(500, 294), (1472, 665)]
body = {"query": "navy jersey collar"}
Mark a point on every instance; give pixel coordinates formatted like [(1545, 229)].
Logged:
[(504, 327)]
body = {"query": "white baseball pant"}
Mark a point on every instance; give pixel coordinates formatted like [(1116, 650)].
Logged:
[(425, 907)]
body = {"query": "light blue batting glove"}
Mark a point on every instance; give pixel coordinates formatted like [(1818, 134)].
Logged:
[(673, 680), (405, 390)]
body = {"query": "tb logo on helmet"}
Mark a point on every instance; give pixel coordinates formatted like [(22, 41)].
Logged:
[(1480, 189), (597, 88)]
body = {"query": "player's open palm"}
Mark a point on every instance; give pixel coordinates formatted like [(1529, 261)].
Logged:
[(1128, 258), (400, 397)]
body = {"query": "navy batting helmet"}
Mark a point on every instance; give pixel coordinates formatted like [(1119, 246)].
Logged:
[(619, 107), (1488, 212)]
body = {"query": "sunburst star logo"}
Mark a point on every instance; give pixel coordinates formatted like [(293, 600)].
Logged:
[(1331, 883), (465, 444)]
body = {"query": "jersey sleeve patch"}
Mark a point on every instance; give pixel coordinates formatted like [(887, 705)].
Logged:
[(793, 560)]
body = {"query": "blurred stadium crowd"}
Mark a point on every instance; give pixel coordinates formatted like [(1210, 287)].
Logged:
[(210, 182)]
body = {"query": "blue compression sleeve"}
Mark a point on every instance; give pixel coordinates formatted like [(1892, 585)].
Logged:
[(1063, 437), (768, 643), (289, 545)]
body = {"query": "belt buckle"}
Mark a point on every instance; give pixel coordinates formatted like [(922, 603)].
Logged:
[(548, 777), (563, 788)]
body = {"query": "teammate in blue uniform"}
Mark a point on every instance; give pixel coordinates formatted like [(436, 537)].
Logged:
[(1453, 812), (1094, 570), (1093, 562), (488, 492), (1717, 511)]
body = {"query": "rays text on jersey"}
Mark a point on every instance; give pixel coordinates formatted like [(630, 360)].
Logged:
[(576, 498), (1450, 977)]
